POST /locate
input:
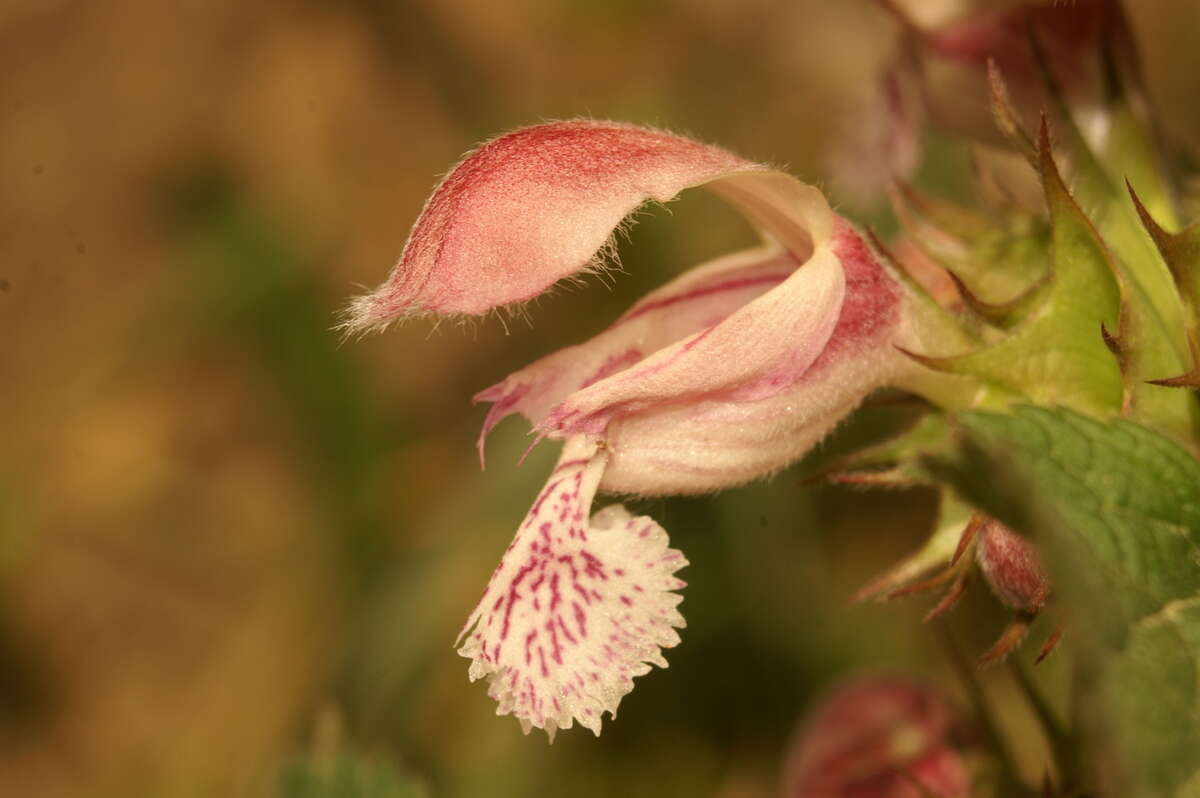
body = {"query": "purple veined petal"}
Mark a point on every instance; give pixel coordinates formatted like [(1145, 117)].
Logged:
[(577, 607), (532, 207), (694, 301), (714, 443)]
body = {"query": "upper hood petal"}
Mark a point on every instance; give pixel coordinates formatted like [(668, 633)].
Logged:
[(534, 206)]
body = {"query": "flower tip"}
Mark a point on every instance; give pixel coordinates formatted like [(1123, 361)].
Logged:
[(362, 316)]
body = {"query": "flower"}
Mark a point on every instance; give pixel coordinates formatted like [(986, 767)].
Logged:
[(728, 373), (876, 738), (940, 74)]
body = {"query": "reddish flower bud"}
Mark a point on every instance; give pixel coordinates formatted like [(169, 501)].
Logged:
[(876, 738), (1011, 566)]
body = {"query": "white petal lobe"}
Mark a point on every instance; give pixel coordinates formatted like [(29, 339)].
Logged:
[(577, 606)]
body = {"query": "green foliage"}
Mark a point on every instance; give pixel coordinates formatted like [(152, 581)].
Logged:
[(244, 284), (995, 259), (1181, 251), (1152, 339), (1117, 506), (893, 461), (344, 775), (1058, 355), (936, 552)]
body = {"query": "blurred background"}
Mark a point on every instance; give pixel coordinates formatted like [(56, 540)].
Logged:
[(234, 550)]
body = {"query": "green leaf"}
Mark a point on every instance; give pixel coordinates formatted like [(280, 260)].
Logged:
[(1117, 506)]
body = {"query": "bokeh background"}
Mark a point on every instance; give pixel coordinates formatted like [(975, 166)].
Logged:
[(235, 550)]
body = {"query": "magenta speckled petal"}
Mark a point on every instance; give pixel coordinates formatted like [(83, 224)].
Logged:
[(577, 607)]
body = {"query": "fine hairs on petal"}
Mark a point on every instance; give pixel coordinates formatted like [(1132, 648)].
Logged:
[(523, 211), (577, 608)]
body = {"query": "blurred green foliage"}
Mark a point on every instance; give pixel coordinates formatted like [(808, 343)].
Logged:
[(1118, 506)]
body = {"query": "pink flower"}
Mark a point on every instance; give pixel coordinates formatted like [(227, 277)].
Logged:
[(940, 74), (876, 738), (1072, 38), (726, 374)]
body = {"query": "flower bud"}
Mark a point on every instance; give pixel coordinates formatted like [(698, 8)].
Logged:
[(1012, 568), (876, 738)]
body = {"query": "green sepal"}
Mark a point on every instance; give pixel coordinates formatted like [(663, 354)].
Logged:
[(930, 322), (1096, 184), (1003, 277), (960, 221), (1181, 251), (995, 262), (1058, 356), (936, 552), (1006, 116), (895, 462)]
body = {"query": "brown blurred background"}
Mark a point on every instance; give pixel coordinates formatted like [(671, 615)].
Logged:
[(234, 550)]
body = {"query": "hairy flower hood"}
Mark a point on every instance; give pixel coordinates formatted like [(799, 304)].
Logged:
[(725, 374)]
